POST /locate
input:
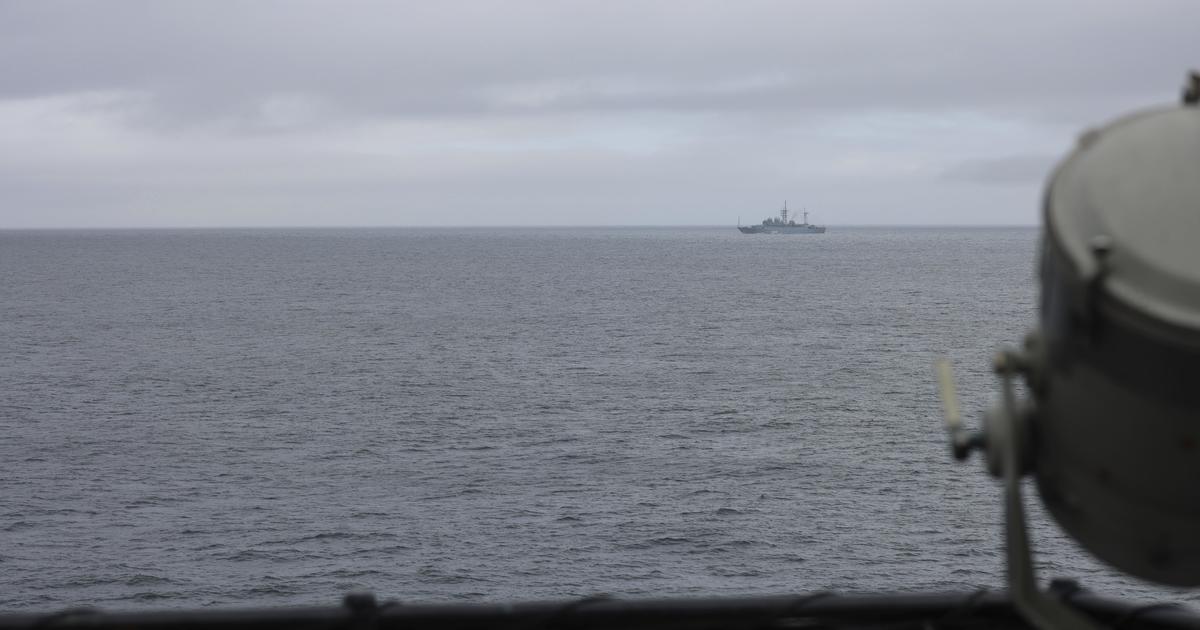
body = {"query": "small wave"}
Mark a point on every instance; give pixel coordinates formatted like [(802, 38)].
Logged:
[(385, 551), (142, 579), (351, 573), (727, 511), (85, 581), (653, 574), (152, 501), (734, 572), (330, 537), (59, 511), (152, 596), (649, 544), (349, 536), (252, 554), (274, 589), (470, 596), (437, 576), (557, 439)]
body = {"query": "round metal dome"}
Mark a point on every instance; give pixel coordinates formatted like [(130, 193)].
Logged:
[(1129, 198)]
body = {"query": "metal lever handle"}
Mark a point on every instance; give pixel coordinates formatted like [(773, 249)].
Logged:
[(962, 442)]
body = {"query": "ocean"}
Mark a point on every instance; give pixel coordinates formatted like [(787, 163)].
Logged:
[(240, 418)]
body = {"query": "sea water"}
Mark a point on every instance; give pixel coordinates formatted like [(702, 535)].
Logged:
[(275, 417)]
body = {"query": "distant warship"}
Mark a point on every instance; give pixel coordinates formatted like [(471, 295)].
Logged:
[(781, 225)]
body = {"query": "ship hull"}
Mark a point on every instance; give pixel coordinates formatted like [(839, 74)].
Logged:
[(781, 229)]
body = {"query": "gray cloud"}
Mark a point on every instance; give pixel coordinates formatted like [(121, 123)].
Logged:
[(1015, 169), (442, 58)]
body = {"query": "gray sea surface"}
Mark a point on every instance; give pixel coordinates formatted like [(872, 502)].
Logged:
[(274, 417)]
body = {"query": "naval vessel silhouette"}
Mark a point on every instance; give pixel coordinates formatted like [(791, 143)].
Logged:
[(781, 225)]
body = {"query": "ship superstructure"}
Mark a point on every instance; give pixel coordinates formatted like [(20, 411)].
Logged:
[(781, 225)]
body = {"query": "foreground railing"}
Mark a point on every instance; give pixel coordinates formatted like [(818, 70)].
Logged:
[(982, 609)]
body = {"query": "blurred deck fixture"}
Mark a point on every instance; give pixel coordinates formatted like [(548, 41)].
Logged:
[(1111, 427)]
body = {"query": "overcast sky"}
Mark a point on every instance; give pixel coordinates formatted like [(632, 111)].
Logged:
[(160, 113)]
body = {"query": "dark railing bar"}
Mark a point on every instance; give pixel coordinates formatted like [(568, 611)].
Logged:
[(819, 610)]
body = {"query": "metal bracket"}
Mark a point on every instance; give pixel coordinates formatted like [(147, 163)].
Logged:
[(1037, 607), (1007, 446)]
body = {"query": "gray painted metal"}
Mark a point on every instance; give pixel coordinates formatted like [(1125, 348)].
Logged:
[(1130, 194), (1115, 364)]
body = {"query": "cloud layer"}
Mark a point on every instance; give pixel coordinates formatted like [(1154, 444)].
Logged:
[(381, 113)]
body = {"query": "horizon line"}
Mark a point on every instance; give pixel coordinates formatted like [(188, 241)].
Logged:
[(484, 227)]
